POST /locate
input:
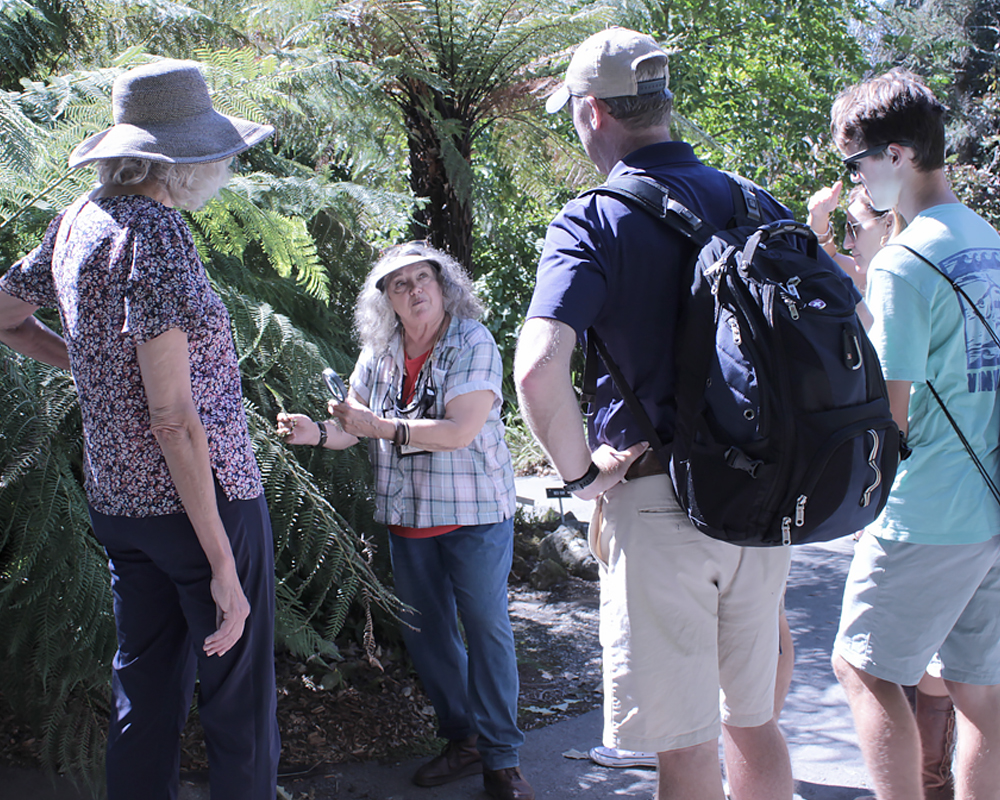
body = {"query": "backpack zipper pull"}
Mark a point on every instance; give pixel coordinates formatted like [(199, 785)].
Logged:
[(734, 325), (786, 530), (792, 286), (800, 511), (793, 309)]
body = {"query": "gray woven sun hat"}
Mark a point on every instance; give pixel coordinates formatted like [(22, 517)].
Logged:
[(163, 112)]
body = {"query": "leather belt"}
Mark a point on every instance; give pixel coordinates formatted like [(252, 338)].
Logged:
[(645, 465)]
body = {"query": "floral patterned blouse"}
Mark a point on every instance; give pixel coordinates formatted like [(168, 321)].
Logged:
[(123, 270)]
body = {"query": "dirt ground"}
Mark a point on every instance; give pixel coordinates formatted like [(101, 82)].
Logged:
[(372, 714), (356, 712)]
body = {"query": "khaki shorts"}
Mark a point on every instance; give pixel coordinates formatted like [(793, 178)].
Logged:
[(903, 602), (682, 615)]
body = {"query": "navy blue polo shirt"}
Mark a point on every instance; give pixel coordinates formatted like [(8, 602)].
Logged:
[(608, 265)]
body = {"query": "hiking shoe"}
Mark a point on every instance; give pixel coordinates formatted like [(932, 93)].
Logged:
[(458, 759), (507, 784)]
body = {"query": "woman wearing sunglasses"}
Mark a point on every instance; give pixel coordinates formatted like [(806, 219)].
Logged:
[(426, 392), (867, 230)]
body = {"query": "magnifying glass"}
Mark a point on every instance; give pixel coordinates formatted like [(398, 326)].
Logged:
[(335, 384)]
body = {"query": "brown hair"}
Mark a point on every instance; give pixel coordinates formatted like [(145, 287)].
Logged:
[(643, 111), (894, 107), (860, 194)]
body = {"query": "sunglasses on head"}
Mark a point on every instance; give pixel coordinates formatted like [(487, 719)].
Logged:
[(852, 163)]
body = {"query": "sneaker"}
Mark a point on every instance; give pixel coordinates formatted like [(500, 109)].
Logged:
[(613, 757)]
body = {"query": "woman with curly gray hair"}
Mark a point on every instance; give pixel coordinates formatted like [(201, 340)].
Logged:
[(426, 392)]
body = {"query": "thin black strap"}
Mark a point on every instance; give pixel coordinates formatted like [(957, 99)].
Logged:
[(968, 447), (631, 401), (958, 289)]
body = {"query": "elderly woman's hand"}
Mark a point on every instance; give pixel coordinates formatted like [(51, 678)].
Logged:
[(231, 611), (297, 429), (357, 419)]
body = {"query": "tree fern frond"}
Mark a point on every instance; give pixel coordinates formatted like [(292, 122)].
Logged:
[(229, 226), (18, 136), (55, 605)]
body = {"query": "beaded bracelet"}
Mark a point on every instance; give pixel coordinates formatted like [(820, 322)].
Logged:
[(827, 236)]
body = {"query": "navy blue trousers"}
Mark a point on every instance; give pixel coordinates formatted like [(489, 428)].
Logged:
[(163, 611)]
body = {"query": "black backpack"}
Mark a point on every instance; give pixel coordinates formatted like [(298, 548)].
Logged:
[(783, 430)]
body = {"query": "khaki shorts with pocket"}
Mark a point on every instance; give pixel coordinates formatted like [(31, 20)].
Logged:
[(682, 615)]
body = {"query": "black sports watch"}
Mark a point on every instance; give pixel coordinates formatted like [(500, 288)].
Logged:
[(582, 483)]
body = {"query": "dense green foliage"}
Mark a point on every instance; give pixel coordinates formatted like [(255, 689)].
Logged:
[(285, 246), (757, 76)]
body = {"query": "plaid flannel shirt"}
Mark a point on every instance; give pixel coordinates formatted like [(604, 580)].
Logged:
[(473, 485)]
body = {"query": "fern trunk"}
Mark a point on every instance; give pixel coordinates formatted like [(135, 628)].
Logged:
[(446, 219)]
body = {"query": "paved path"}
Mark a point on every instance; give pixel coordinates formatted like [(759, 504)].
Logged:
[(826, 762), (825, 758)]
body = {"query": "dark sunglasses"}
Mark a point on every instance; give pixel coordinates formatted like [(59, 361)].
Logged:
[(422, 404), (854, 227), (852, 163)]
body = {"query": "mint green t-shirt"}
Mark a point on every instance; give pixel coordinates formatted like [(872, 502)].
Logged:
[(923, 332)]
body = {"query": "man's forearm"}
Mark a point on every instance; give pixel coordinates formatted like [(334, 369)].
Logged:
[(545, 391), (551, 409)]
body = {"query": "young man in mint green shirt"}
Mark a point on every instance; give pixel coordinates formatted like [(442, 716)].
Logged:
[(926, 575)]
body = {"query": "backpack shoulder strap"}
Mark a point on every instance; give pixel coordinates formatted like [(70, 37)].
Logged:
[(595, 345), (745, 203), (654, 198)]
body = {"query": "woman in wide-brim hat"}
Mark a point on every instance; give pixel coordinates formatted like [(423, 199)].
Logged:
[(174, 491)]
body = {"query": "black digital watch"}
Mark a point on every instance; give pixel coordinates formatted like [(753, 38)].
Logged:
[(583, 482)]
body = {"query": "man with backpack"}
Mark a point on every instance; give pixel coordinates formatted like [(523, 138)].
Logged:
[(925, 576), (682, 614)]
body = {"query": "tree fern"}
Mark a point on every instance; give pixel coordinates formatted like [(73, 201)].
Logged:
[(32, 33), (452, 67), (229, 226), (55, 607)]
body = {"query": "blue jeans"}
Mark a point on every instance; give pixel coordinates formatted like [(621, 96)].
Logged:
[(464, 574)]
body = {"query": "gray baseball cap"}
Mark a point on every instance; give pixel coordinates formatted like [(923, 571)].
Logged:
[(604, 66)]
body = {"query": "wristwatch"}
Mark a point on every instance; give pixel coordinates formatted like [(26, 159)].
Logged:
[(582, 483)]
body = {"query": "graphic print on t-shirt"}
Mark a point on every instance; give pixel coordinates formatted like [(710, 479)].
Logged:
[(977, 272)]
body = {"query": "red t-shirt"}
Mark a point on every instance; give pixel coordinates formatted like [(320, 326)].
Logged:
[(413, 367)]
